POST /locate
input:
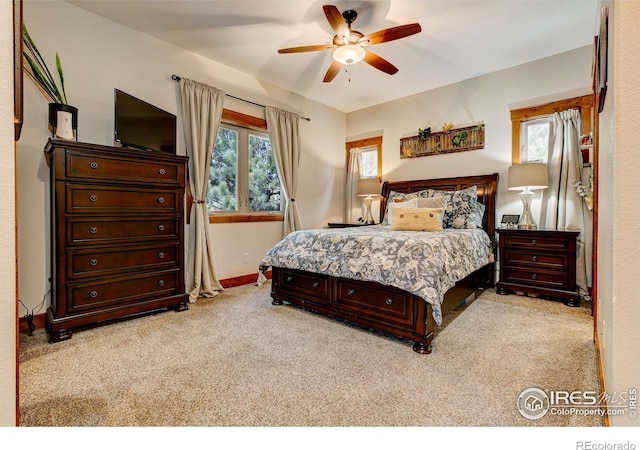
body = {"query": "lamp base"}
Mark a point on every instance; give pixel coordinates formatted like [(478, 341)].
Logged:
[(526, 221), (368, 217)]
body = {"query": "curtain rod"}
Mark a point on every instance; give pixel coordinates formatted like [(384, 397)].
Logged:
[(177, 78)]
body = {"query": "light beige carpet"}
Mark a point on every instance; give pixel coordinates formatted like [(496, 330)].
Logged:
[(236, 360)]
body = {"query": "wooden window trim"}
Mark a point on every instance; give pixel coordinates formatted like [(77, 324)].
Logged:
[(363, 143), (584, 104), (230, 117)]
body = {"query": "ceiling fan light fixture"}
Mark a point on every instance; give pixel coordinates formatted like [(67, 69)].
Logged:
[(349, 54)]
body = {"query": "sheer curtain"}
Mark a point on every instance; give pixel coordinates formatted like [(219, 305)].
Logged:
[(562, 207), (201, 114), (283, 127), (353, 174)]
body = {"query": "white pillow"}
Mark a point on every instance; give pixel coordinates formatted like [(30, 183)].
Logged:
[(411, 203)]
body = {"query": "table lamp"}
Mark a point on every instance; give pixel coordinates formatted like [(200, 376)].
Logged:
[(368, 188), (526, 178)]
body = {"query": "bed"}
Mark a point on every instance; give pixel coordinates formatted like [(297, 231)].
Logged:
[(386, 278)]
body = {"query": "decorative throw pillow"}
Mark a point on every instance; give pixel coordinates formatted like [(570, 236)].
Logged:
[(416, 219), (432, 202), (396, 197), (461, 207), (400, 204)]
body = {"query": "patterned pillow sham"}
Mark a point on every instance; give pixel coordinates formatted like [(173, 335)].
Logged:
[(460, 211)]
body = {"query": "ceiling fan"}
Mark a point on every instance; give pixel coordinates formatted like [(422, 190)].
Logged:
[(350, 46)]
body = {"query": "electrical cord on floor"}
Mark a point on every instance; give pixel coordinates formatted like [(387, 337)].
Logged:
[(29, 316)]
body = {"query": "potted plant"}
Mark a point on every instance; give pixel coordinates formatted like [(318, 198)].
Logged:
[(63, 118)]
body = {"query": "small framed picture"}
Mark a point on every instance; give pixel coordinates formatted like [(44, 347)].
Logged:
[(510, 220)]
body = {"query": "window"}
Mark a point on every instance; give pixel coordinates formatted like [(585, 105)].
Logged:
[(534, 139), (530, 127), (243, 180), (371, 156)]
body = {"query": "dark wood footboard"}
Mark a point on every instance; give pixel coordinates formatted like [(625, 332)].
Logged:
[(371, 305)]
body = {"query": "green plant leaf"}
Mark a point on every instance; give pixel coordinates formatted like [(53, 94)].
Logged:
[(38, 71)]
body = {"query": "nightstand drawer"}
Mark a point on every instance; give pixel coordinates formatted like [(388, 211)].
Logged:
[(548, 260), (524, 241), (555, 280)]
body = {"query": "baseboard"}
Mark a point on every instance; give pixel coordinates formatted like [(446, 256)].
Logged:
[(605, 417), (38, 320)]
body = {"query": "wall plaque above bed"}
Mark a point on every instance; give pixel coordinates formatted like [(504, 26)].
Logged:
[(455, 140)]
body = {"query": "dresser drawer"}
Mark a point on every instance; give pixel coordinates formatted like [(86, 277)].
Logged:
[(89, 199), (365, 301), (532, 241), (102, 167), (304, 284), (126, 290), (550, 280), (108, 260), (533, 259), (113, 230)]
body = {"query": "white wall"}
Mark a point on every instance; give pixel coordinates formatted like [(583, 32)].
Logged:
[(7, 224), (487, 98), (99, 55), (619, 216)]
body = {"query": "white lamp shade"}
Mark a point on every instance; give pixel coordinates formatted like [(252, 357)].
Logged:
[(530, 175), (349, 54), (368, 186)]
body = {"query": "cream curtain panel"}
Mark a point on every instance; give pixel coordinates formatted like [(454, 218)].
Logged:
[(201, 114), (284, 133), (562, 207), (353, 175)]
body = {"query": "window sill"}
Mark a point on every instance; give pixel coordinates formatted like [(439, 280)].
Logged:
[(233, 218)]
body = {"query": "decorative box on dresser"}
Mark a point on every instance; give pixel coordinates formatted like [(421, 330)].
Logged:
[(539, 262), (117, 221)]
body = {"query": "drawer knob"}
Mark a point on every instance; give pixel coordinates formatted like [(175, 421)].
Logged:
[(161, 200), (389, 301), (315, 284), (534, 276), (93, 294), (93, 198), (161, 255), (534, 259), (93, 262), (93, 165), (161, 227), (533, 242), (93, 230), (289, 279), (351, 291), (161, 283), (162, 171)]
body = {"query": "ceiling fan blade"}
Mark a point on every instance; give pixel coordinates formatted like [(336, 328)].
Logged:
[(335, 19), (306, 48), (332, 72), (391, 34), (379, 63)]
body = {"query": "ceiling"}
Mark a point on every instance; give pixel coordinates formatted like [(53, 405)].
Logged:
[(459, 39)]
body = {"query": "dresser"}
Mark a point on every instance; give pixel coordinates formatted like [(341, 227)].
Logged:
[(117, 222), (539, 262)]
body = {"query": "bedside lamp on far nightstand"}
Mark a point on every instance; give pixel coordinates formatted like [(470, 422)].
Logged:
[(368, 188), (525, 178)]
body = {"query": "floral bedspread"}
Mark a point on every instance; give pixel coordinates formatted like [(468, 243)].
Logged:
[(426, 264)]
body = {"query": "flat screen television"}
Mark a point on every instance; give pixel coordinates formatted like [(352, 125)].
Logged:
[(141, 125)]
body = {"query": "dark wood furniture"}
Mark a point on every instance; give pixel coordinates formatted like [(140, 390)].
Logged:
[(346, 225), (116, 234), (384, 308), (539, 262)]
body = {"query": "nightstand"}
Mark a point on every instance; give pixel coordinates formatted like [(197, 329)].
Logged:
[(539, 262), (348, 225)]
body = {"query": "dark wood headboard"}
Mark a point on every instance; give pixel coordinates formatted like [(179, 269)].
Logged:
[(487, 186)]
